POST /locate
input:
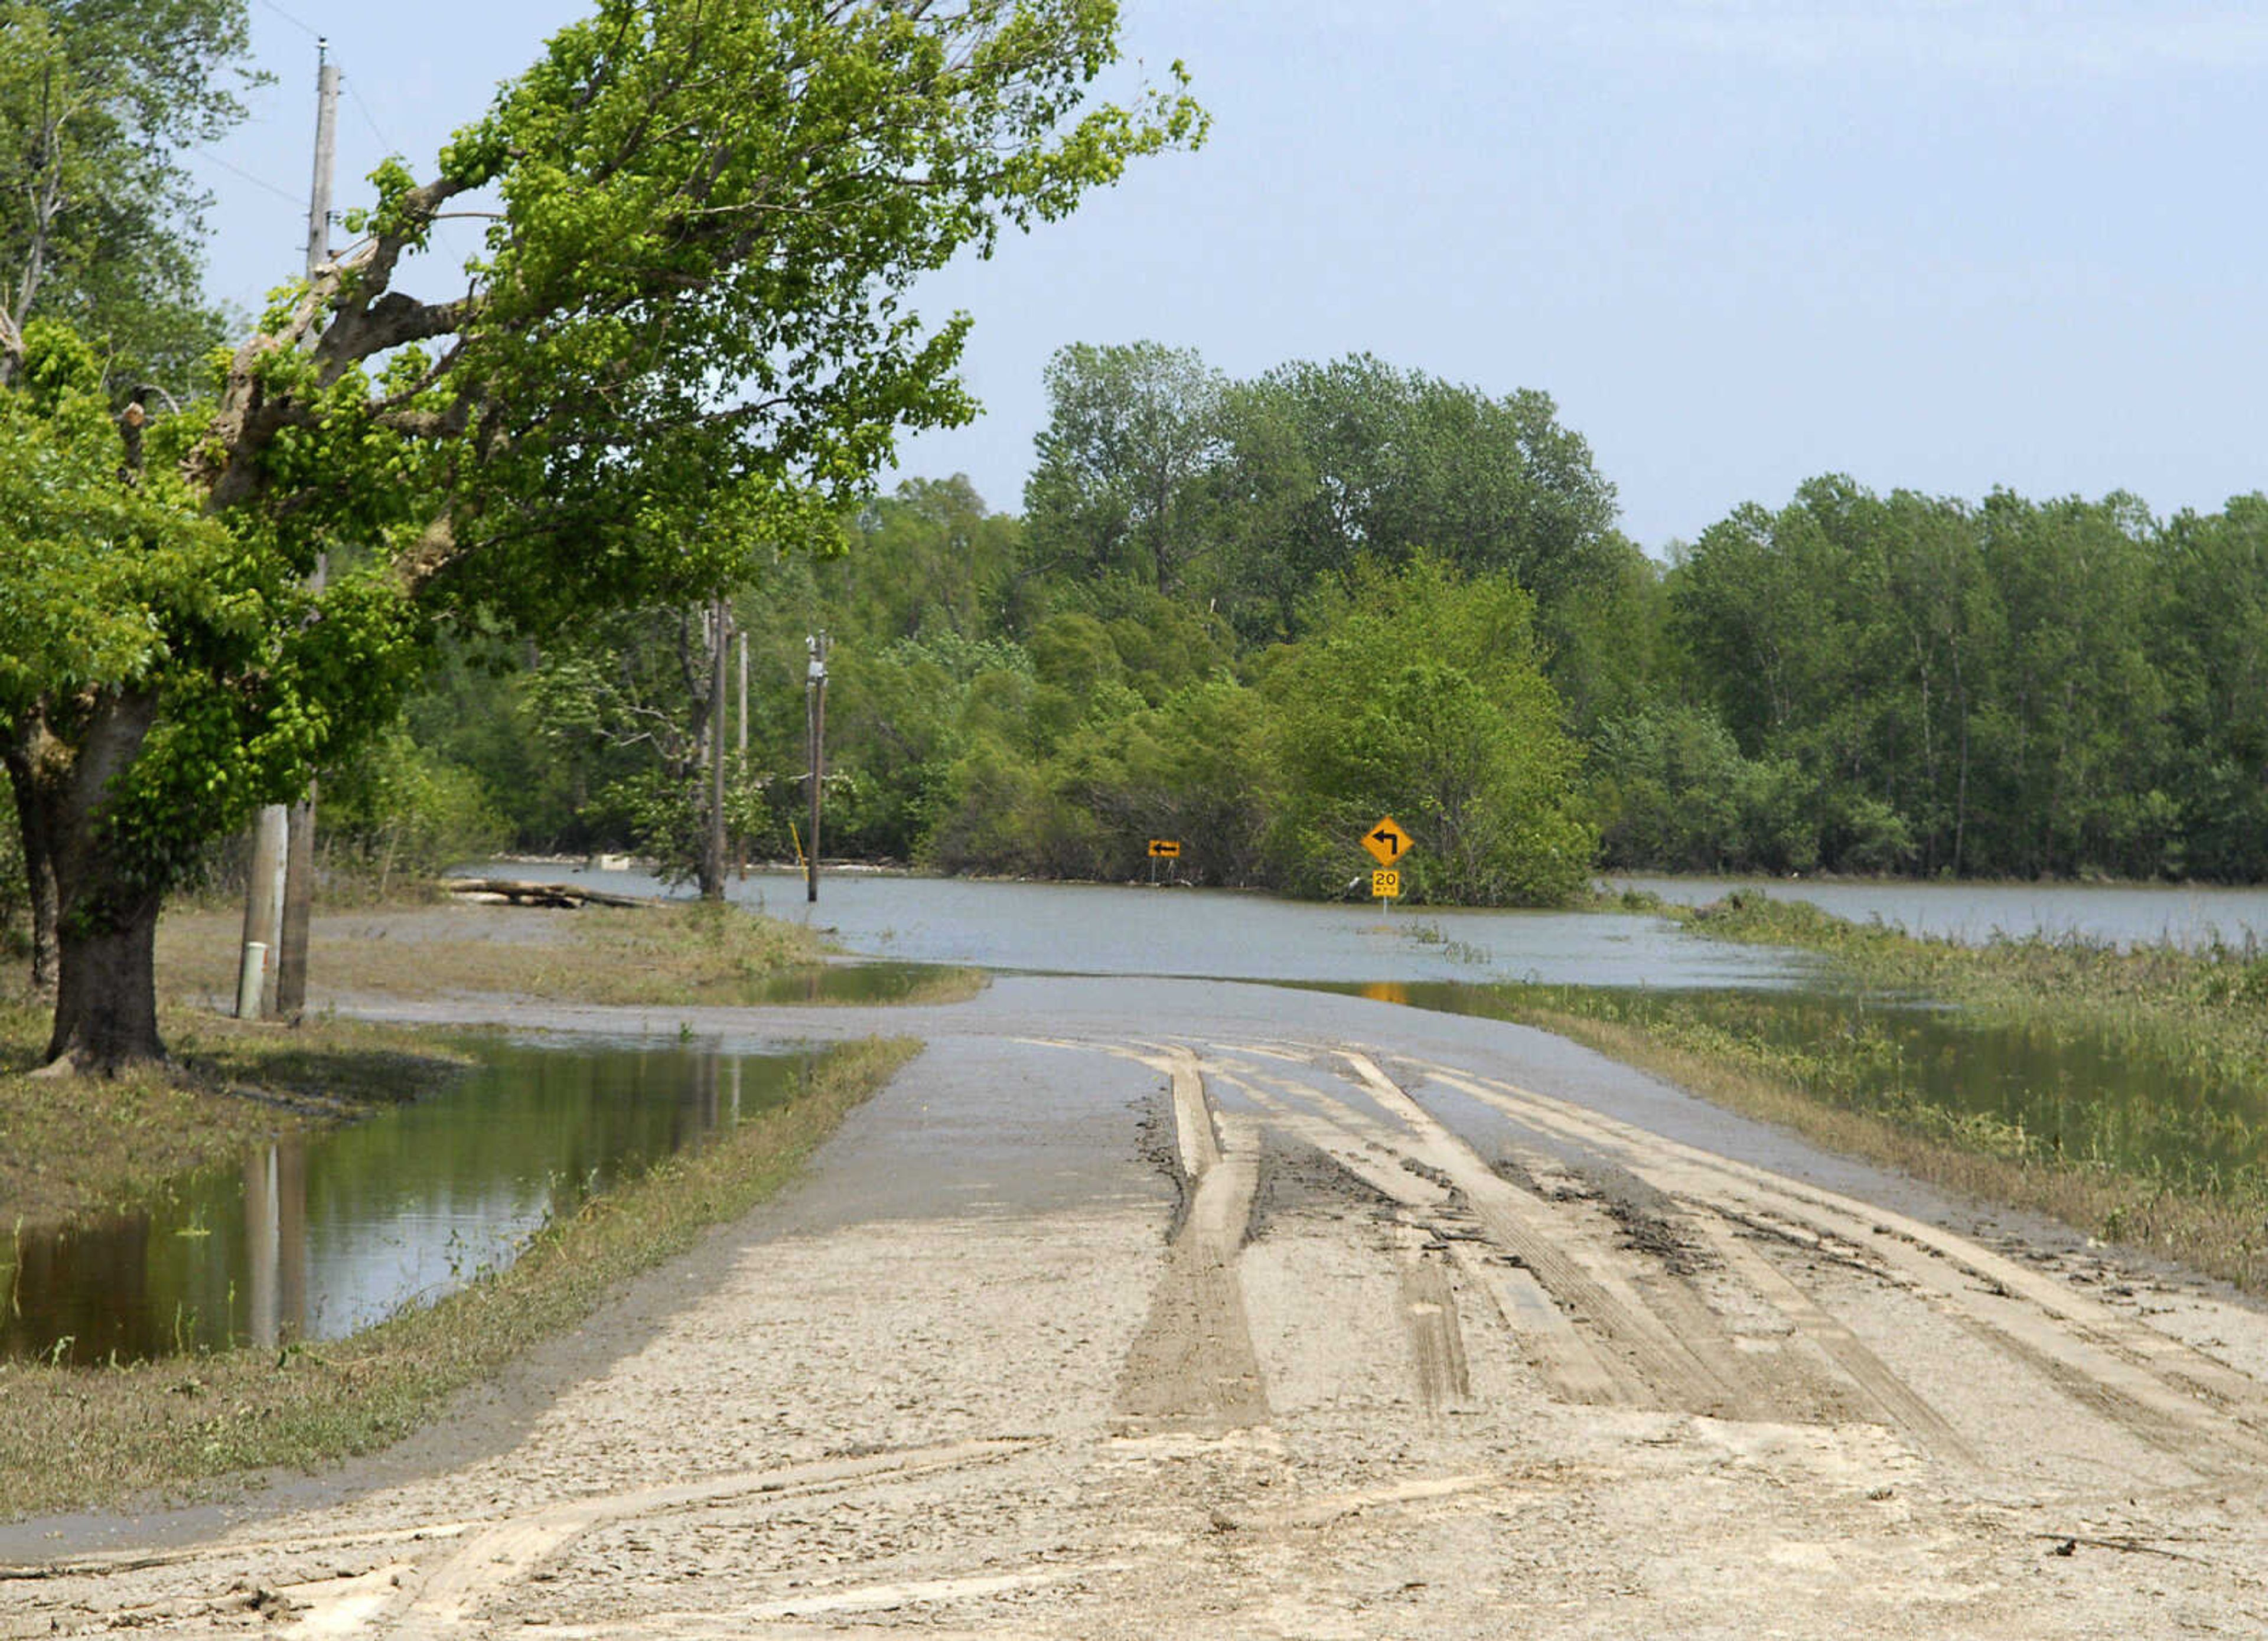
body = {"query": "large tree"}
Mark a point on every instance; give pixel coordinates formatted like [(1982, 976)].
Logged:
[(1327, 464), (1131, 430), (98, 222), (686, 341)]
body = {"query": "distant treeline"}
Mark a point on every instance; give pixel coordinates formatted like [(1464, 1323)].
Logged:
[(1256, 614)]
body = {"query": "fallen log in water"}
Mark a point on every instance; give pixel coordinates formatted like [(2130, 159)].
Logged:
[(516, 892)]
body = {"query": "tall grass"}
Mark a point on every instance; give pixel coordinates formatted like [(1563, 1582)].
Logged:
[(2175, 1158)]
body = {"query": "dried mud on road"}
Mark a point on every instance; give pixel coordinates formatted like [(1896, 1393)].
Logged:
[(1295, 1335)]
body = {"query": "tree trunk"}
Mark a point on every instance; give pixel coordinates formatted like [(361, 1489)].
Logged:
[(106, 1006), (108, 894), (39, 867)]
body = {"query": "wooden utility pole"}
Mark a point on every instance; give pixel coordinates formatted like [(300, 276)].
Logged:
[(713, 854), (319, 191), (263, 914), (278, 900), (740, 838), (814, 701), (299, 858)]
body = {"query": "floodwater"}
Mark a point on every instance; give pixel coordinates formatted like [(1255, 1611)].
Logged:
[(862, 984), (1219, 934), (1066, 928), (2095, 1096), (2125, 914), (319, 1235)]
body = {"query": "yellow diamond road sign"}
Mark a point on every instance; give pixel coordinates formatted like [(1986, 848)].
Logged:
[(1387, 841)]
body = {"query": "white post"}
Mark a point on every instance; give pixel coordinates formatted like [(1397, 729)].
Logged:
[(251, 975)]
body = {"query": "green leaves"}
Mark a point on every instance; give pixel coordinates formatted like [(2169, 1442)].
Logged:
[(1422, 695), (98, 217), (711, 216)]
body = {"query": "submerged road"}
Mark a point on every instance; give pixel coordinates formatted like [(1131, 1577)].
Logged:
[(1155, 1308)]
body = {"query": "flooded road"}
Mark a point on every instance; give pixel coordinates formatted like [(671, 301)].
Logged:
[(1106, 928), (1103, 929), (1142, 1307), (314, 1238)]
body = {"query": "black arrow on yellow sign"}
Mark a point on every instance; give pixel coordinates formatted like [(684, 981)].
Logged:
[(1387, 841)]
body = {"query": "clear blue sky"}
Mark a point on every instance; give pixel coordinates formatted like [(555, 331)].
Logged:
[(1940, 243)]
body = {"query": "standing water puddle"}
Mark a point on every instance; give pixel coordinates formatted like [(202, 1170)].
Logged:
[(319, 1235)]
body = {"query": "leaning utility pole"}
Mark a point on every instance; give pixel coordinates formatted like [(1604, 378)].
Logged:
[(273, 961), (713, 854), (814, 695), (319, 191), (299, 860), (740, 773)]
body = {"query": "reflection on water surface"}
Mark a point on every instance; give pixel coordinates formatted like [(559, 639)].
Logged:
[(321, 1234)]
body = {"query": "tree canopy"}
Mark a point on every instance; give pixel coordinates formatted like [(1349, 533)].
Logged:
[(687, 345)]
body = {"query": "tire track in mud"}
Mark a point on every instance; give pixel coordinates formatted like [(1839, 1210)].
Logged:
[(2152, 1386), (1560, 1355), (1429, 1317), (1582, 1278), (1898, 1402), (444, 1596), (1596, 1333), (1193, 1365)]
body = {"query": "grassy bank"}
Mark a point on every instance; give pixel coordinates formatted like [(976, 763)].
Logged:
[(676, 953), (77, 1147), (85, 1146), (77, 1438), (2189, 1179)]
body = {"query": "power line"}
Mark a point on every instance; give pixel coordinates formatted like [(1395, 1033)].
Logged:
[(311, 33), (369, 119), (261, 182), (440, 231)]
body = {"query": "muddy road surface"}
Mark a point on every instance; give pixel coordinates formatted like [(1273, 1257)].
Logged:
[(1160, 1308)]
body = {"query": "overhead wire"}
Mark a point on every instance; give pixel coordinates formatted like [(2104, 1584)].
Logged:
[(312, 31), (389, 145), (257, 181)]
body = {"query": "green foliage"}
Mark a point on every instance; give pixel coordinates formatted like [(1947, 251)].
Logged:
[(1116, 487), (1669, 788), (134, 589), (1357, 458), (15, 885), (684, 349), (397, 811), (2016, 689), (1246, 496), (692, 335), (1423, 697), (99, 219)]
